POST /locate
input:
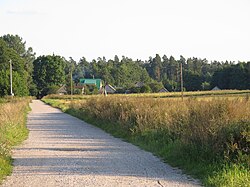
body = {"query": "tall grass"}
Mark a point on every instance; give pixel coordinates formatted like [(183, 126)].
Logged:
[(12, 130), (209, 137)]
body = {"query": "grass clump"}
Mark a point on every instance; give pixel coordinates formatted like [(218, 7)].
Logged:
[(207, 137), (12, 130)]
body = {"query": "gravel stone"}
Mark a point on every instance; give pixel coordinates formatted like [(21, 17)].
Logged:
[(64, 151)]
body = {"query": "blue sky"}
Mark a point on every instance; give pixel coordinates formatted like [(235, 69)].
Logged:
[(212, 29)]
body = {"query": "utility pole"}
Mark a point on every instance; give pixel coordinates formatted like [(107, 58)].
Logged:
[(71, 82), (11, 91), (181, 83)]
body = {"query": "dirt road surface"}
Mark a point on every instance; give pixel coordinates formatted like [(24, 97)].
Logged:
[(64, 151)]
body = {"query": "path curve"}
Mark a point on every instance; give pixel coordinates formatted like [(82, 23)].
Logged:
[(64, 151)]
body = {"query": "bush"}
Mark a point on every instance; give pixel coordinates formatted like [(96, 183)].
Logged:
[(78, 91), (145, 89), (90, 90)]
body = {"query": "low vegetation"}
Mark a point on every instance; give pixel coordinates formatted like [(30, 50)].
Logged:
[(12, 129), (223, 93), (208, 137)]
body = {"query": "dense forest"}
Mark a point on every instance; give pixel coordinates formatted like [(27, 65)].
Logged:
[(41, 75)]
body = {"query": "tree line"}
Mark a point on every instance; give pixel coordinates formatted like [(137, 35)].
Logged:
[(42, 75)]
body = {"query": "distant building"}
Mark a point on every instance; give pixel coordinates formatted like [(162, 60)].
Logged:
[(139, 84), (216, 88), (127, 92), (110, 89), (163, 90), (62, 90), (96, 82)]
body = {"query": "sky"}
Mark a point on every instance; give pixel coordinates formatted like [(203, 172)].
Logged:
[(211, 29)]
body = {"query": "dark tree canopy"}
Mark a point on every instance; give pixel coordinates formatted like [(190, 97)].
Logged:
[(20, 74), (233, 77), (49, 71), (16, 43), (45, 74)]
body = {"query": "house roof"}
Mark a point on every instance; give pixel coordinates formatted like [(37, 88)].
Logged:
[(62, 89), (163, 90), (108, 86), (110, 89), (139, 84), (89, 81), (96, 82), (216, 88)]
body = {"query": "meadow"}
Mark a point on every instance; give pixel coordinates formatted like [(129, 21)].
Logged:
[(207, 134), (13, 131)]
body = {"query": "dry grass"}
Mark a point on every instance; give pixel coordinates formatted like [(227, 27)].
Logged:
[(222, 123), (12, 129), (208, 136)]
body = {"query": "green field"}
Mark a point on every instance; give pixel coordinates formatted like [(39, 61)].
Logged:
[(207, 134)]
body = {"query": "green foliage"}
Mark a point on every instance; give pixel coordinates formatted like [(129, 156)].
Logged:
[(233, 77), (77, 91), (145, 89), (170, 85), (86, 90), (155, 86), (205, 86), (135, 89), (52, 89), (33, 90), (198, 74), (230, 175), (16, 43), (48, 71), (4, 83), (20, 74), (90, 90), (192, 81), (69, 69), (237, 136), (122, 73), (120, 90), (95, 90), (19, 85)]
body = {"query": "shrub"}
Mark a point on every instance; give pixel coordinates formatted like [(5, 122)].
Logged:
[(145, 89)]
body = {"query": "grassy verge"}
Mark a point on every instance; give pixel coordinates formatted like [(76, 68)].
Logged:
[(13, 130), (207, 138)]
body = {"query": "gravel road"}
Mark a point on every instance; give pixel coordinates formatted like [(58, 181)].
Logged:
[(64, 151)]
